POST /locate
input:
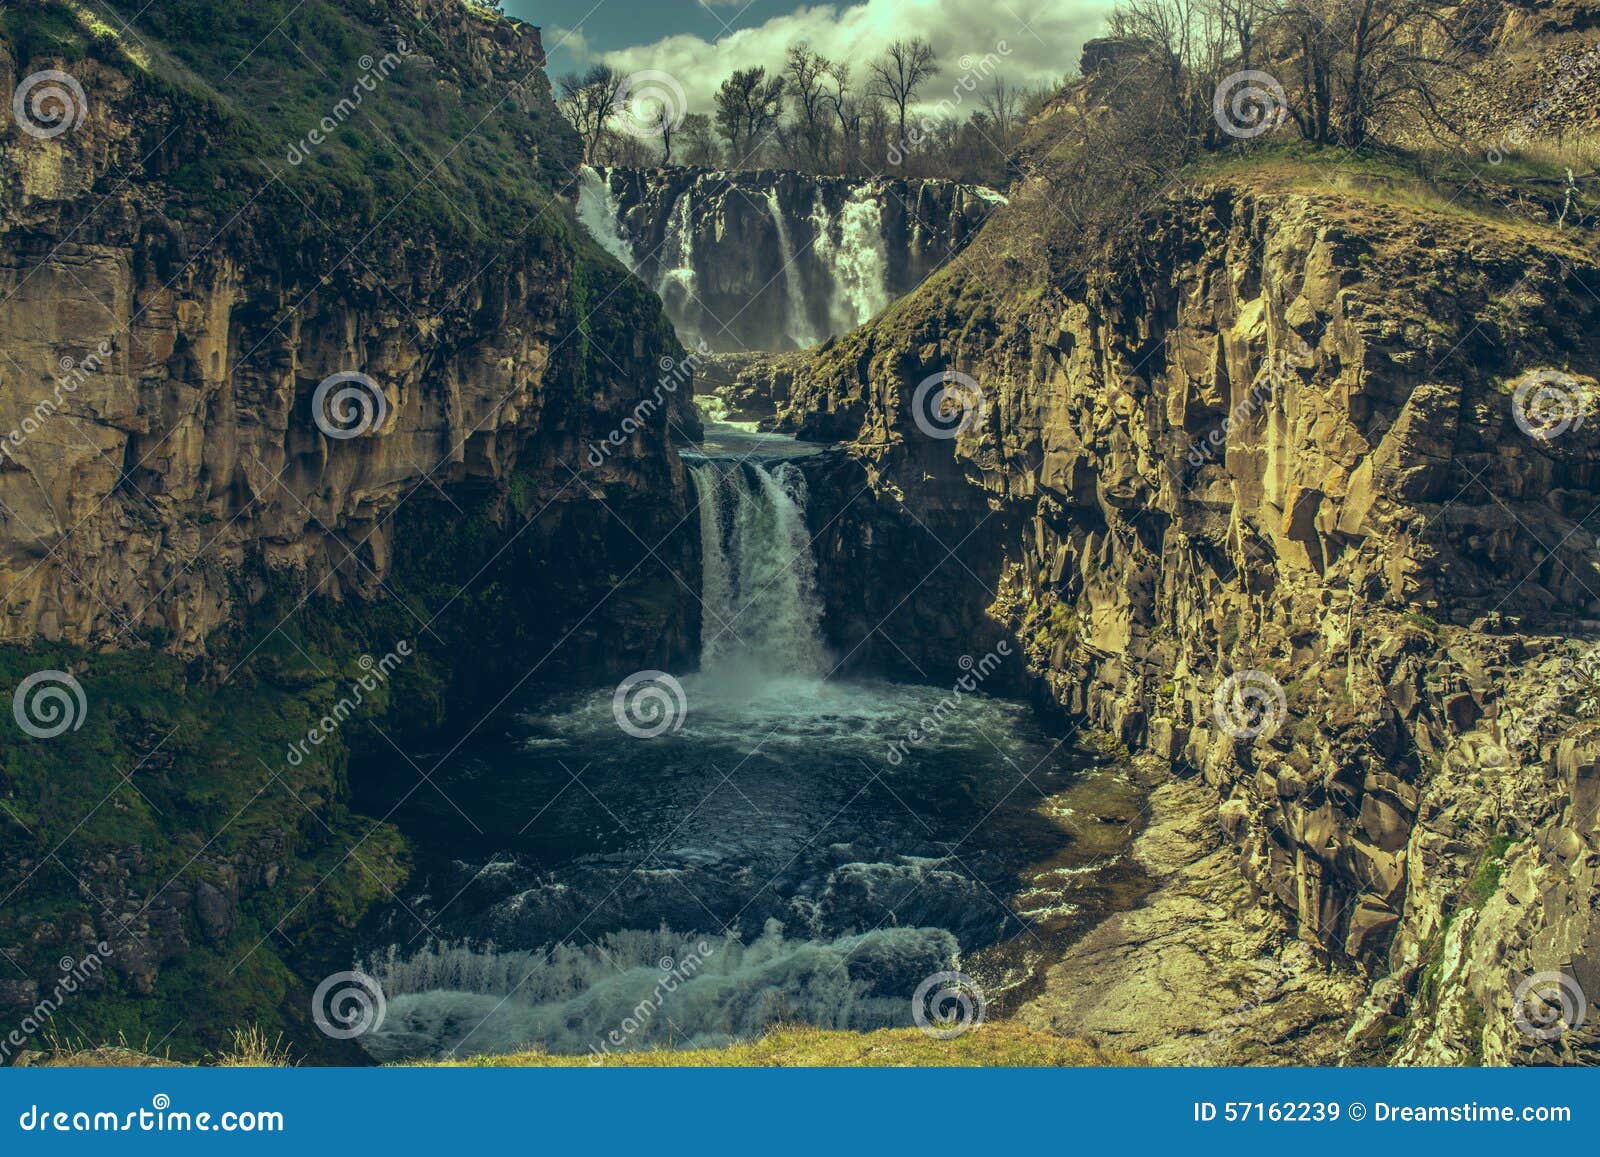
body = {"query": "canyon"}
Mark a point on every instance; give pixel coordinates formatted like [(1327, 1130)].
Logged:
[(1281, 442)]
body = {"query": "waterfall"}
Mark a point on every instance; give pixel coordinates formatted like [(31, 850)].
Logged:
[(677, 249), (853, 251), (760, 608), (794, 298), (599, 212)]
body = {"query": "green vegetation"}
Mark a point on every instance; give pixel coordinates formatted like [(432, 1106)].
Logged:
[(411, 145), (1485, 879), (1002, 1043)]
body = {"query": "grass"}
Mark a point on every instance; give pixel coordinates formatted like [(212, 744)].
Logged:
[(254, 1049), (1001, 1044), (1485, 881)]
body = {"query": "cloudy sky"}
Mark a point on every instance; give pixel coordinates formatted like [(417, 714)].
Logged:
[(700, 43)]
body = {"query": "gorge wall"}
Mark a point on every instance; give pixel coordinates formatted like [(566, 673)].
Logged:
[(215, 558), (777, 260), (1283, 447)]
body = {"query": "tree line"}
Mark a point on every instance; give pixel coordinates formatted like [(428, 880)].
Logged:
[(902, 113)]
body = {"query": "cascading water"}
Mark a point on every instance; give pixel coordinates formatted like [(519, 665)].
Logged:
[(794, 299), (853, 251), (785, 854), (598, 211), (675, 282), (760, 609)]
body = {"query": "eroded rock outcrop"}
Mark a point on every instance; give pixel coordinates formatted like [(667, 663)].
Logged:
[(1294, 451)]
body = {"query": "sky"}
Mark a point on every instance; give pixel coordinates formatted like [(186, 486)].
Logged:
[(699, 42)]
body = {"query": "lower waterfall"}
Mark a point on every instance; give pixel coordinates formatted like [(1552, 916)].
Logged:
[(759, 605)]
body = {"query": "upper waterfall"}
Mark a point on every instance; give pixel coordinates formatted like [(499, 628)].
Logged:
[(776, 260)]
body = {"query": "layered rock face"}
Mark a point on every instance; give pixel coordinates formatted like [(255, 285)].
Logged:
[(778, 260), (1307, 451), (202, 531), (158, 417)]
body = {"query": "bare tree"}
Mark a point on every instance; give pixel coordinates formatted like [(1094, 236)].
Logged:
[(588, 101), (846, 111), (1002, 106), (749, 104), (806, 72), (904, 67), (699, 141)]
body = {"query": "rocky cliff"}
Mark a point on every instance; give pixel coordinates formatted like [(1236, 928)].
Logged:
[(1292, 499), (778, 260), (295, 372)]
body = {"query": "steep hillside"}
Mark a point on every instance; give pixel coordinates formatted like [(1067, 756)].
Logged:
[(1288, 493)]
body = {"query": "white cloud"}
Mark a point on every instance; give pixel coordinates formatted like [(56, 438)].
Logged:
[(1030, 46)]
